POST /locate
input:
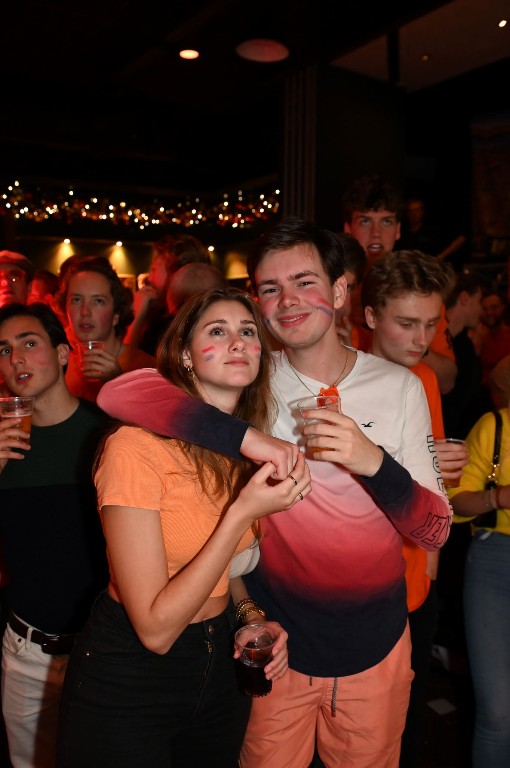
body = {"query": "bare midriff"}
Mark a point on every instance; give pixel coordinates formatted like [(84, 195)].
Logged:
[(212, 607)]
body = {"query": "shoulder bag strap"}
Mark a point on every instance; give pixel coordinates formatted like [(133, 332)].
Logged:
[(497, 438)]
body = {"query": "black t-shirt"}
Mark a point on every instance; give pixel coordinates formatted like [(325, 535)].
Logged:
[(50, 529), (463, 406)]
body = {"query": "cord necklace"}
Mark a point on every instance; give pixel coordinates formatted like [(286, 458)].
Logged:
[(332, 389)]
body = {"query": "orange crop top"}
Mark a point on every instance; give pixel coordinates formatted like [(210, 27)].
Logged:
[(140, 469)]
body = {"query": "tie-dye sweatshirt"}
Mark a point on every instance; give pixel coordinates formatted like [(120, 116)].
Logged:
[(331, 569)]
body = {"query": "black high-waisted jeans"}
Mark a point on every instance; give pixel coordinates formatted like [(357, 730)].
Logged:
[(126, 707)]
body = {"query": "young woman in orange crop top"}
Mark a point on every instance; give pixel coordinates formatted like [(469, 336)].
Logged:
[(151, 680)]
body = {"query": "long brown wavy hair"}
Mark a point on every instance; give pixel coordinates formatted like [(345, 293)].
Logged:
[(256, 404)]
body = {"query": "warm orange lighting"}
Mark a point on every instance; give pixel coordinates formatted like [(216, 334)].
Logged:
[(67, 241), (263, 50), (189, 53), (426, 57), (502, 23)]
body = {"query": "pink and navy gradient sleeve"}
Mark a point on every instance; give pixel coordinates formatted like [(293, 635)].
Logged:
[(145, 398), (421, 515)]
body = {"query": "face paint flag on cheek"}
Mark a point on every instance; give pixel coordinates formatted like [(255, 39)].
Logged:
[(208, 352), (324, 306)]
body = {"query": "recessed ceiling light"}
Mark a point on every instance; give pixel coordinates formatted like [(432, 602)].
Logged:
[(189, 53), (262, 50), (426, 57), (502, 23)]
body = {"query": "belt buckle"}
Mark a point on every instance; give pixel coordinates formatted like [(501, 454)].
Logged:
[(58, 645)]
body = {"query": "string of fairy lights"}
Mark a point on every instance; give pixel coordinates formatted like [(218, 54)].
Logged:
[(70, 205)]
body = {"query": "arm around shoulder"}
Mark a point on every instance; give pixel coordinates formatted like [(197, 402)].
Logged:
[(145, 398)]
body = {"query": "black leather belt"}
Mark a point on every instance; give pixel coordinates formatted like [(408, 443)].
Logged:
[(56, 645)]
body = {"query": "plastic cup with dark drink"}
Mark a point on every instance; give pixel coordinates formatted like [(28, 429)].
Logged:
[(18, 408), (255, 644)]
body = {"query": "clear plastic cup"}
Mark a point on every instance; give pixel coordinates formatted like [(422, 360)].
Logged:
[(18, 408), (89, 346), (321, 403), (255, 643)]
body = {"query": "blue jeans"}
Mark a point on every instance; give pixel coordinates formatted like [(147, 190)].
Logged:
[(487, 617), (126, 707)]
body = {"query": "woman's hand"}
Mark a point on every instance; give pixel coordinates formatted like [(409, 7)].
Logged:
[(99, 364), (12, 439), (452, 457), (338, 438), (262, 496), (279, 664)]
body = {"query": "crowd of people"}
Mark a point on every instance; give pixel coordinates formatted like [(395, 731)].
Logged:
[(169, 492)]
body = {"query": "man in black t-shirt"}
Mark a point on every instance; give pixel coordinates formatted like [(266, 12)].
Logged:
[(50, 531)]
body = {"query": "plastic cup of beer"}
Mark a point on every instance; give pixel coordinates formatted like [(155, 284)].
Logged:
[(319, 403), (255, 643), (89, 346), (18, 408)]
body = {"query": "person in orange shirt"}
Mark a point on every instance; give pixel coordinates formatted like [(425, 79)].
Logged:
[(97, 307), (402, 296)]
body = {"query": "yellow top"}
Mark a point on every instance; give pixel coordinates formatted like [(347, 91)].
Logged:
[(480, 444)]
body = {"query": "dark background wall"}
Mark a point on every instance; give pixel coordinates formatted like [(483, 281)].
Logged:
[(360, 131)]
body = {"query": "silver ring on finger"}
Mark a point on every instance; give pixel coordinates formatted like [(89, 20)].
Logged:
[(301, 497), (293, 479)]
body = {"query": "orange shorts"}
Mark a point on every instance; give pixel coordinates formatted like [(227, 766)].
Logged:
[(365, 732)]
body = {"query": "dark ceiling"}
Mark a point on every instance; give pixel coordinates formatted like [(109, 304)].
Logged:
[(96, 91)]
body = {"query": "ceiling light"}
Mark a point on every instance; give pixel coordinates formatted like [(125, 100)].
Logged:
[(426, 57), (262, 50), (189, 53), (502, 23)]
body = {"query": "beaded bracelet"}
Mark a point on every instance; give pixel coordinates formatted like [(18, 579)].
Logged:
[(247, 606), (243, 602), (251, 609)]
